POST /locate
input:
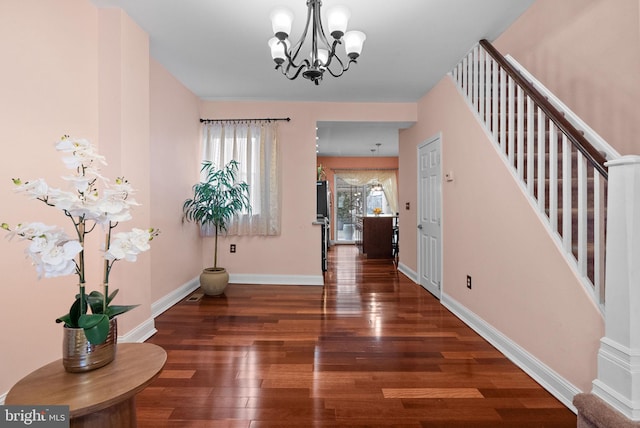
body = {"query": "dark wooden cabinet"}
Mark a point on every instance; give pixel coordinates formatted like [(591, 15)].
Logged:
[(375, 236), (324, 240)]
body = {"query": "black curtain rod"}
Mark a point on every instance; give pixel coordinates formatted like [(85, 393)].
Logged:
[(268, 119)]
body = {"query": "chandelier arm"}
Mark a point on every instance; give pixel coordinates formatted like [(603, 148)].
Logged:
[(293, 77), (332, 55), (298, 69), (343, 68), (291, 59), (295, 50), (323, 37), (315, 32)]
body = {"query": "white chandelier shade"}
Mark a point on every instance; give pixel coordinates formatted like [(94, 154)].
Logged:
[(338, 19), (353, 41), (323, 56), (281, 21)]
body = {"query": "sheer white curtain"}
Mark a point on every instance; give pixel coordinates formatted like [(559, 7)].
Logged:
[(254, 145), (387, 178)]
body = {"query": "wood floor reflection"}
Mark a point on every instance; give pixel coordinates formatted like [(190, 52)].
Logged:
[(369, 349)]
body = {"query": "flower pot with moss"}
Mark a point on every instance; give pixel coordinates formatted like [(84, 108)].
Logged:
[(216, 200)]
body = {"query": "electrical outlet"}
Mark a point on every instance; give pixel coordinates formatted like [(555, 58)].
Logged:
[(469, 282), (232, 248)]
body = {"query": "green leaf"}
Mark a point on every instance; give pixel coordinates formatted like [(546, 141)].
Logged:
[(88, 321), (114, 310), (96, 327), (95, 299), (112, 296), (76, 312), (66, 319)]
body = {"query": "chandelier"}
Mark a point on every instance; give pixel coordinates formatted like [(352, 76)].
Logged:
[(323, 56)]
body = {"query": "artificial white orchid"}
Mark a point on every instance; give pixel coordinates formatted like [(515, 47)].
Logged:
[(127, 245), (51, 250), (34, 189), (91, 201)]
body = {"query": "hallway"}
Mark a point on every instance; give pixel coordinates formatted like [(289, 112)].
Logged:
[(369, 349)]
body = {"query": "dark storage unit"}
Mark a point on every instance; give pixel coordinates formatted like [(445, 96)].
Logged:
[(375, 236), (322, 200)]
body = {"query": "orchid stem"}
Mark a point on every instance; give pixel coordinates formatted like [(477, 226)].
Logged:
[(107, 268)]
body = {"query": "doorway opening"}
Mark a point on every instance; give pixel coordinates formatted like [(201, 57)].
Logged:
[(352, 201)]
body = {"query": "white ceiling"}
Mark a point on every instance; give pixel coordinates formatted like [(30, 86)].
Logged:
[(218, 49)]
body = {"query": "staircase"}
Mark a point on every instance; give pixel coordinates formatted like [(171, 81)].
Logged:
[(557, 159)]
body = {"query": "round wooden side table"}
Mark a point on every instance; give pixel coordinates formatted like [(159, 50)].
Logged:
[(104, 397)]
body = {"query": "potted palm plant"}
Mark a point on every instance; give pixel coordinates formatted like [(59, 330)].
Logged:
[(215, 201)]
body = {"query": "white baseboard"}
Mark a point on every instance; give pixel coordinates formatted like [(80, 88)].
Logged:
[(140, 333), (147, 329), (618, 375), (164, 303), (276, 279), (558, 386), (411, 274)]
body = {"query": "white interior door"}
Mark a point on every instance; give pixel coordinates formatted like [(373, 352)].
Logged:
[(429, 216)]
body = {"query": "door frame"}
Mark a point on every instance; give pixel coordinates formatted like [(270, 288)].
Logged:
[(431, 140)]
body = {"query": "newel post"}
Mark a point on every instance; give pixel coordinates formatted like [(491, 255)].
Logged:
[(618, 382)]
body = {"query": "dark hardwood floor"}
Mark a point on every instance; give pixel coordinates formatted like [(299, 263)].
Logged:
[(369, 349)]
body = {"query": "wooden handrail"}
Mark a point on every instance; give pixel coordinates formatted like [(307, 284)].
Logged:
[(577, 139)]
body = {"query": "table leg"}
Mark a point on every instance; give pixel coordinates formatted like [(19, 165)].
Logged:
[(121, 415)]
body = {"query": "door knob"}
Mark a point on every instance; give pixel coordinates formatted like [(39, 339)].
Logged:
[(420, 226)]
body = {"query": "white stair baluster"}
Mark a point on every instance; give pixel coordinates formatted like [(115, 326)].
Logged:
[(530, 144), (481, 83), (475, 78), (553, 177), (495, 93), (566, 194), (598, 237), (520, 150), (503, 111), (582, 214), (489, 79), (541, 159), (510, 121)]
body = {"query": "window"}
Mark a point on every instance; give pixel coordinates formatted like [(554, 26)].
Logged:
[(253, 145), (348, 205), (358, 192)]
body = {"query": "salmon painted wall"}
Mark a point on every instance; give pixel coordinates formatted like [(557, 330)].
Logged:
[(296, 251), (175, 134), (123, 108), (521, 286), (331, 163), (586, 52), (95, 87), (48, 90)]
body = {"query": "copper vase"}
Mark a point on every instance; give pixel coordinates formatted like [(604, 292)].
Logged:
[(78, 355)]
